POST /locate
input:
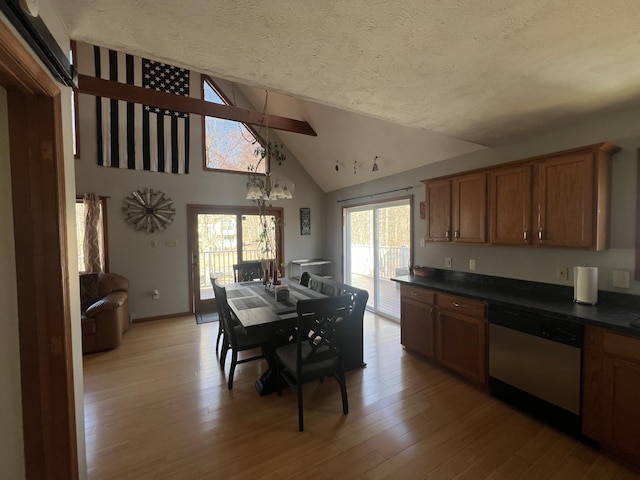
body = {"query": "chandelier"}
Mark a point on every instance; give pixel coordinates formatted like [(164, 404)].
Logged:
[(262, 186)]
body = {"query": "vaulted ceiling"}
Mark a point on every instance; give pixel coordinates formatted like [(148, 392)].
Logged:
[(412, 82)]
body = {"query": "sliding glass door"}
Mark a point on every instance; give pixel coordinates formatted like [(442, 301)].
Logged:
[(377, 246)]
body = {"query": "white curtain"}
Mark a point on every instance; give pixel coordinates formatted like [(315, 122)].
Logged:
[(93, 234)]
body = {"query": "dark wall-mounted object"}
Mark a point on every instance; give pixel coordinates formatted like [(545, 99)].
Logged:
[(37, 35)]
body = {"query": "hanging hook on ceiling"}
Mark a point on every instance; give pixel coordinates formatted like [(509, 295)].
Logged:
[(375, 164)]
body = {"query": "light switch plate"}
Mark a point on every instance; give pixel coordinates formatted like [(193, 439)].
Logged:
[(621, 278), (447, 262), (472, 265)]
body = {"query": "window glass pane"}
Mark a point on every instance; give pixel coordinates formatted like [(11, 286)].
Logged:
[(253, 245), (217, 242), (229, 145)]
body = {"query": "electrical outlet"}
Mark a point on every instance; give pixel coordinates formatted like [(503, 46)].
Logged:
[(472, 265), (170, 243), (447, 262), (621, 278), (422, 242), (155, 294), (154, 243), (562, 273)]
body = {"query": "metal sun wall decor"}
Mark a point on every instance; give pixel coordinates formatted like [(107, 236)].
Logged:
[(148, 210)]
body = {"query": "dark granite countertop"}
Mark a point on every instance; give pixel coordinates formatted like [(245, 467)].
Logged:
[(614, 311)]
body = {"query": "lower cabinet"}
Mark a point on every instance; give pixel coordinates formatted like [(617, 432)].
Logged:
[(461, 336), (416, 324), (450, 329), (611, 392)]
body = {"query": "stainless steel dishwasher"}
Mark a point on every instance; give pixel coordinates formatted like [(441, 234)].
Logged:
[(535, 364)]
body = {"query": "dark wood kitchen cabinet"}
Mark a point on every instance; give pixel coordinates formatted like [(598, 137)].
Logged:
[(456, 209), (449, 329), (416, 320), (510, 197), (558, 200), (565, 199), (438, 210), (611, 392), (461, 336), (469, 208)]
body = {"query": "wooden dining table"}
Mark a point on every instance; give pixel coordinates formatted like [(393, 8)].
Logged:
[(257, 309)]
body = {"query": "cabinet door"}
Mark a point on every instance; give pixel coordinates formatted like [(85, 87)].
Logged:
[(621, 396), (461, 344), (621, 409), (566, 201), (438, 203), (469, 207), (510, 192), (416, 326)]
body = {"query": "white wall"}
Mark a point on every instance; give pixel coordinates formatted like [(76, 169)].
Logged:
[(525, 263), (167, 268)]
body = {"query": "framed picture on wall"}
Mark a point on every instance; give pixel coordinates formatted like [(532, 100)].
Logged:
[(305, 221)]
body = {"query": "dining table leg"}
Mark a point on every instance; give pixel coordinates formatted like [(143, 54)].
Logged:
[(268, 382)]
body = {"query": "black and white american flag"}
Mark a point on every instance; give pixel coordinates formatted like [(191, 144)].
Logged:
[(136, 136)]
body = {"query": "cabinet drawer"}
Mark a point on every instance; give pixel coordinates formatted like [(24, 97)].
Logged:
[(464, 306), (416, 293)]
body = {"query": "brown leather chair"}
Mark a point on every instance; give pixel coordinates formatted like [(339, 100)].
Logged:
[(105, 310)]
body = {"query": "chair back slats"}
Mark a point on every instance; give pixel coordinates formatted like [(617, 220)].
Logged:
[(319, 332), (247, 271), (224, 313)]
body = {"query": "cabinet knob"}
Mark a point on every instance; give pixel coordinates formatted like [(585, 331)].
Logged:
[(458, 305), (456, 234), (525, 236), (540, 235), (447, 234)]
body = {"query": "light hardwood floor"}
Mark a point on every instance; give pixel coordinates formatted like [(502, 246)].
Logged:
[(158, 407)]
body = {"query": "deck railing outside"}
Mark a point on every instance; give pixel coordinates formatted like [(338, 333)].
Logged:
[(219, 264), (391, 261)]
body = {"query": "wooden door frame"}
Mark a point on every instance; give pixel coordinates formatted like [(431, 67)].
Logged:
[(39, 217), (192, 233)]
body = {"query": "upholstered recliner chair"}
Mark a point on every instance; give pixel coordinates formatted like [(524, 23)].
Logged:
[(105, 310)]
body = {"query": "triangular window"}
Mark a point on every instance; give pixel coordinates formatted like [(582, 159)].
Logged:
[(227, 145)]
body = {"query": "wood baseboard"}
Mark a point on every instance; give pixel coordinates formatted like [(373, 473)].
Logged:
[(160, 317)]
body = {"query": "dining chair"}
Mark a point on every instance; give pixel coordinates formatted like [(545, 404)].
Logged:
[(247, 271), (317, 352), (235, 337), (220, 323)]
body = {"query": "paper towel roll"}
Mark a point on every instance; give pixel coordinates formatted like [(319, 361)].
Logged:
[(585, 285)]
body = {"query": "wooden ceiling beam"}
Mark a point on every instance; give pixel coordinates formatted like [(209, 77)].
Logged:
[(131, 93)]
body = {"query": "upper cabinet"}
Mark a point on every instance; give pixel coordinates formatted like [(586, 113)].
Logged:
[(456, 209), (566, 198), (438, 210), (559, 200), (510, 198), (469, 208)]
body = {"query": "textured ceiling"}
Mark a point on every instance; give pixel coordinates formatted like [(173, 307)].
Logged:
[(486, 72)]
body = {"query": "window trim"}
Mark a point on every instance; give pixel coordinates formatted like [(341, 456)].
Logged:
[(105, 232), (207, 79), (76, 98)]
